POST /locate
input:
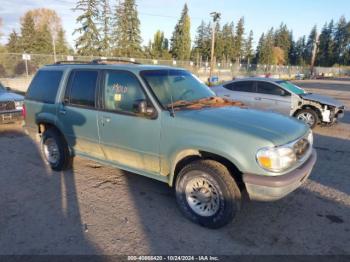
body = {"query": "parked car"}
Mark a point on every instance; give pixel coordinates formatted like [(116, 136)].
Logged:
[(283, 97), (11, 105), (163, 123)]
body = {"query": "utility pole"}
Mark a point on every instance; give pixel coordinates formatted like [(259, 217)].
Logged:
[(216, 17), (54, 49), (314, 51)]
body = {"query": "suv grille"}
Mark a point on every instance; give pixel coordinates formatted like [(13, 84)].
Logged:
[(7, 105), (301, 147)]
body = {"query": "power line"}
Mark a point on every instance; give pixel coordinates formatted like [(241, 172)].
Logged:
[(168, 16)]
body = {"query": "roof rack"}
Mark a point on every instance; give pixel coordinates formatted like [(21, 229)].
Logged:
[(111, 60), (71, 62)]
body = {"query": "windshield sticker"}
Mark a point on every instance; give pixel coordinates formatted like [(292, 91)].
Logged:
[(117, 97)]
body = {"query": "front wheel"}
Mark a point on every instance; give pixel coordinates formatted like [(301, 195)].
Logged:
[(207, 194), (308, 116)]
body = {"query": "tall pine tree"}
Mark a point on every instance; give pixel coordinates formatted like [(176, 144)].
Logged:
[(228, 41), (13, 44), (28, 32), (248, 47), (126, 32), (239, 39), (341, 41), (282, 40), (88, 42), (202, 41), (105, 20), (181, 39)]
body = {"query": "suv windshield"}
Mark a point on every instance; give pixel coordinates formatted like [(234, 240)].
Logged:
[(291, 87), (171, 85)]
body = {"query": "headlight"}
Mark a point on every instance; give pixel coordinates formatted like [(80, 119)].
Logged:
[(280, 158), (19, 104), (276, 159)]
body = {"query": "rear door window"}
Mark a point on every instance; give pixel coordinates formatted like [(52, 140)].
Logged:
[(242, 86), (44, 86), (81, 89)]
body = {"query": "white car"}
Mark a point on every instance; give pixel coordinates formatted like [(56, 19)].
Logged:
[(284, 97)]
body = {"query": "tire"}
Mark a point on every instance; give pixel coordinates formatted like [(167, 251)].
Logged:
[(217, 211), (308, 116), (55, 150)]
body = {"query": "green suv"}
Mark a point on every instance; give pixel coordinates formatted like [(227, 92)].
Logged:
[(164, 123)]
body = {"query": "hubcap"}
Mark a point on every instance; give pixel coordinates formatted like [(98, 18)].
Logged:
[(51, 151), (202, 196), (306, 117)]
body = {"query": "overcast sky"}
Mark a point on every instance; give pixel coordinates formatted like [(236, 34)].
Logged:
[(260, 15)]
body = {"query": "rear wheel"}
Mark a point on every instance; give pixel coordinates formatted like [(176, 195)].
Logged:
[(207, 194), (308, 116), (55, 150)]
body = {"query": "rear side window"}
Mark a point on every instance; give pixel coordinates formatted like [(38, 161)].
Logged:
[(82, 88), (243, 86), (44, 86)]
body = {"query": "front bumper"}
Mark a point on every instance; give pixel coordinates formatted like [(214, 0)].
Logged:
[(10, 116), (270, 188)]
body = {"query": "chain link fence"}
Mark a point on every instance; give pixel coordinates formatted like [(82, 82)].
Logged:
[(16, 72)]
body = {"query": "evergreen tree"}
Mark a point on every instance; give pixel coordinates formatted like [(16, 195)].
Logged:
[(28, 33), (341, 41), (282, 40), (13, 44), (159, 47), (126, 33), (166, 44), (181, 39), (259, 48), (239, 39), (43, 41), (292, 55), (300, 51), (61, 44), (266, 54), (228, 41), (106, 21), (219, 44), (202, 41), (88, 43), (326, 45), (248, 47)]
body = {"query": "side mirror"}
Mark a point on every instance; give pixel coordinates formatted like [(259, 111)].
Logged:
[(65, 101), (143, 108), (284, 92), (8, 88)]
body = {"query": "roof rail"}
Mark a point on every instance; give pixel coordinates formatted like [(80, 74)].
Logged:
[(111, 60), (71, 62)]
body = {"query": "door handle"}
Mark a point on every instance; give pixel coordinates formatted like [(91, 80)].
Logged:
[(105, 120), (62, 111), (257, 98), (227, 95)]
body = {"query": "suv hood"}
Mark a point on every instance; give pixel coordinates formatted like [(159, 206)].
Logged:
[(321, 99), (7, 96), (274, 127)]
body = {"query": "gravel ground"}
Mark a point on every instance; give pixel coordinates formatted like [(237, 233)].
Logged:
[(95, 209)]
